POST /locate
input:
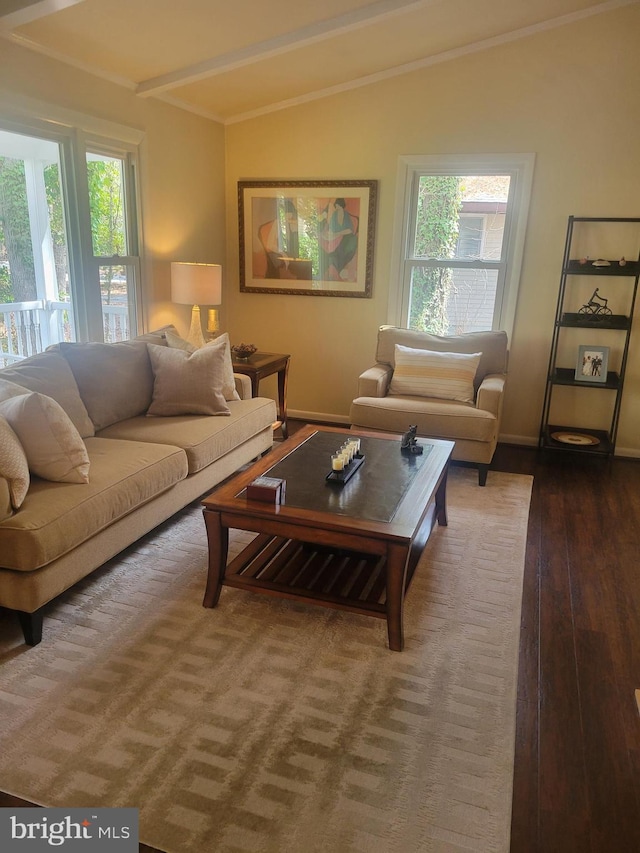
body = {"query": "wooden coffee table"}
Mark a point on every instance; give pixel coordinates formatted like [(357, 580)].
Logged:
[(353, 546)]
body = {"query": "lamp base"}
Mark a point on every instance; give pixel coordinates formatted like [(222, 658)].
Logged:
[(195, 335)]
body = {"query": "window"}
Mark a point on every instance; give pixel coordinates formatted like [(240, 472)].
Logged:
[(459, 242), (69, 263), (113, 241)]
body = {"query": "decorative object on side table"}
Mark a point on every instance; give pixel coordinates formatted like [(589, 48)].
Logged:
[(244, 351), (409, 443)]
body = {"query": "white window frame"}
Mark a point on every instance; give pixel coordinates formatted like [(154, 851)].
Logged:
[(128, 154), (76, 133), (410, 168)]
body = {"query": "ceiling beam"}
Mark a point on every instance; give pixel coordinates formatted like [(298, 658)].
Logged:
[(15, 13), (313, 33)]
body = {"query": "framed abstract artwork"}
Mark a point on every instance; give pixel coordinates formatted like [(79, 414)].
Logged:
[(307, 238)]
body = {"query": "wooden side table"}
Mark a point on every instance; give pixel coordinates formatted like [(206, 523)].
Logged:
[(262, 364)]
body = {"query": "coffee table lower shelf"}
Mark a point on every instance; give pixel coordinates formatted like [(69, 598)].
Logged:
[(315, 574)]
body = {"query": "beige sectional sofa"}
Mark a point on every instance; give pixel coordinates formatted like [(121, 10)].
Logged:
[(100, 443)]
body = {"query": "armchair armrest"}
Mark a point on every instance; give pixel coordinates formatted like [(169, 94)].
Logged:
[(374, 382), (243, 386), (490, 393)]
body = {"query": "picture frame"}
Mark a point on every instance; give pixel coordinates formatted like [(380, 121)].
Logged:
[(592, 364), (307, 238)]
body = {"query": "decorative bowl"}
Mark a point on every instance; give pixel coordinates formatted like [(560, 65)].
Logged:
[(243, 350)]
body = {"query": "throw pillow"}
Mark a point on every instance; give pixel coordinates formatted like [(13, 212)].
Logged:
[(49, 373), (228, 382), (424, 373), (53, 446), (187, 383), (13, 464), (115, 380), (11, 389)]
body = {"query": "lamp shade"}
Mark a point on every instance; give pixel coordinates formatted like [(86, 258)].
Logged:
[(196, 284)]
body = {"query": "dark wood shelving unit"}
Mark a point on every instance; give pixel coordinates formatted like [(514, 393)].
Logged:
[(601, 442)]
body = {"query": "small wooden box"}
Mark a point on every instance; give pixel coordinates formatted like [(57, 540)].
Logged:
[(270, 490)]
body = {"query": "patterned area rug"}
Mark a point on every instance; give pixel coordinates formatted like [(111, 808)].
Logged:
[(268, 726)]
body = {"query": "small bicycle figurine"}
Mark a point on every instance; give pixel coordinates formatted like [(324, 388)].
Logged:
[(597, 307)]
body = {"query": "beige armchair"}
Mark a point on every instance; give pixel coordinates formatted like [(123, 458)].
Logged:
[(472, 424)]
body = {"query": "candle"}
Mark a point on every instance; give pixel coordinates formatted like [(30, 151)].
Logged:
[(337, 462)]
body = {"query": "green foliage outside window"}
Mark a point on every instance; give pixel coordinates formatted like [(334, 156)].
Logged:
[(106, 203), (17, 275), (438, 212)]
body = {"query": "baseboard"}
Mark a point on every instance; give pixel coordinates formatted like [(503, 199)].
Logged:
[(524, 440), (317, 417), (628, 452)]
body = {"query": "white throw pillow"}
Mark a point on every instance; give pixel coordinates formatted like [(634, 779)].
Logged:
[(425, 373), (228, 382), (187, 383), (13, 464), (53, 446)]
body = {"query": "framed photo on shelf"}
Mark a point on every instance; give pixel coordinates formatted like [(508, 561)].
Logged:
[(308, 238), (592, 364)]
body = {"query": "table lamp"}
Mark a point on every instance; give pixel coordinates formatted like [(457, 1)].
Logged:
[(196, 285)]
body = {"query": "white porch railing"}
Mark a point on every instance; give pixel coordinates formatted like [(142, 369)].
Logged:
[(30, 327)]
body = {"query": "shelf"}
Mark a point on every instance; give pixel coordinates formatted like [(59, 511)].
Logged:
[(631, 268), (598, 321), (590, 324), (567, 376), (604, 448)]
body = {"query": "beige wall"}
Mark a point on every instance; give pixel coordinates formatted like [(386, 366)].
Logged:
[(181, 159), (570, 95)]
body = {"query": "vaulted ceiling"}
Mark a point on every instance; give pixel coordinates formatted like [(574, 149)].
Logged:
[(231, 60)]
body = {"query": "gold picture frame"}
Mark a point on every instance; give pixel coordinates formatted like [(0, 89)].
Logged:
[(307, 238)]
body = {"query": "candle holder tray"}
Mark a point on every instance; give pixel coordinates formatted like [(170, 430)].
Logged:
[(342, 477)]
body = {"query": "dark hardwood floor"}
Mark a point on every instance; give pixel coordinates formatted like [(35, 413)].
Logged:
[(577, 765)]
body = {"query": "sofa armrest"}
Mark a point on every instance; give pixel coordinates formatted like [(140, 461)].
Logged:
[(490, 393), (243, 386), (374, 382)]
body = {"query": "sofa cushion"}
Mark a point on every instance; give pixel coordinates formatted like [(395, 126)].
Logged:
[(53, 446), (55, 518), (435, 418), (115, 380), (49, 373), (443, 375), (492, 345), (204, 439), (157, 336), (187, 383), (228, 381), (14, 468)]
